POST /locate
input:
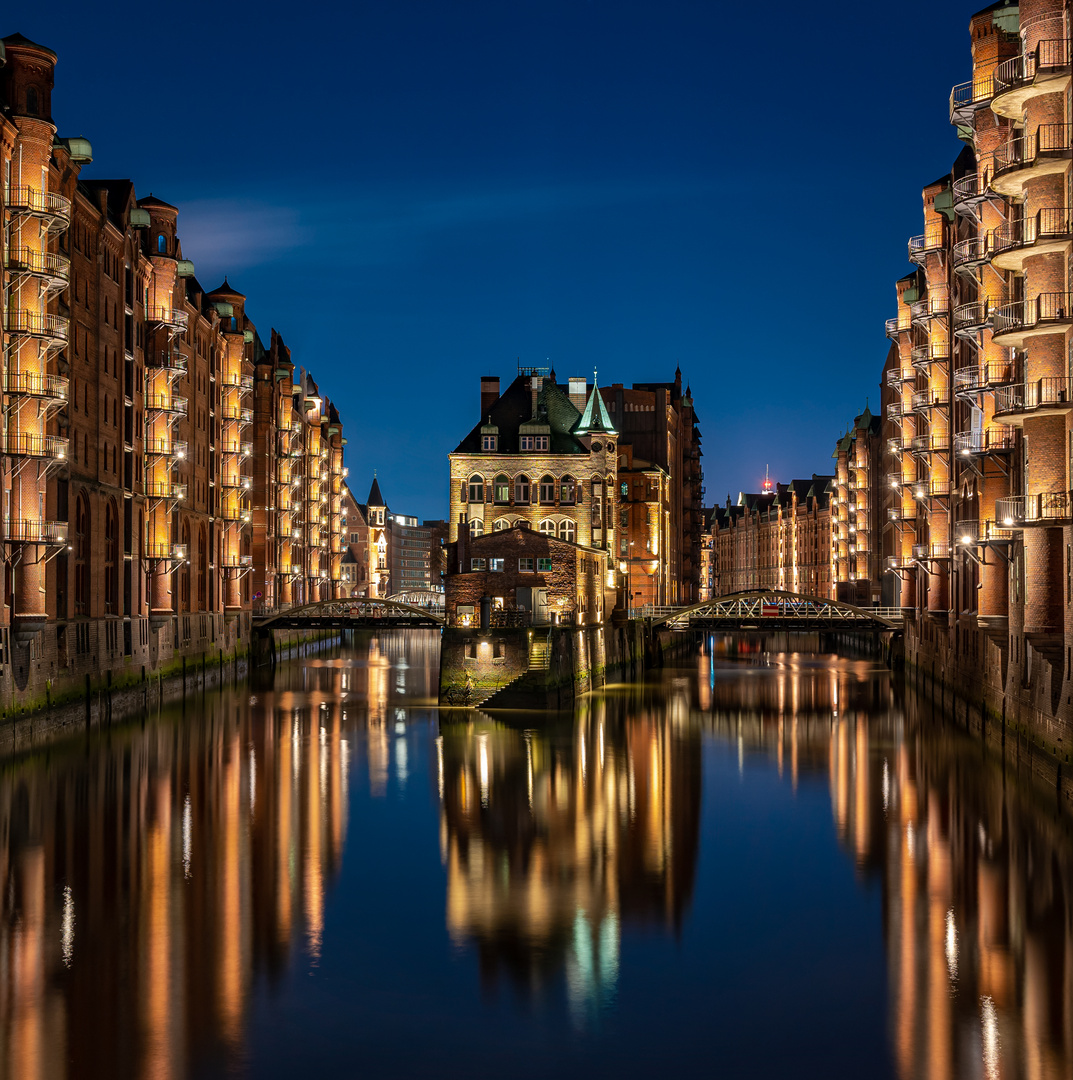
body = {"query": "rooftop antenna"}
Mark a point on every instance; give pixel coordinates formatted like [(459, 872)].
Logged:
[(767, 478)]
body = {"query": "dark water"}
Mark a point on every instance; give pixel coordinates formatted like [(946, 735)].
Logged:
[(740, 869)]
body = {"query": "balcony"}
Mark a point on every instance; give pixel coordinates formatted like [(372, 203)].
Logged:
[(968, 255), (52, 329), (236, 562), (53, 270), (1045, 232), (171, 404), (899, 562), (233, 510), (173, 320), (35, 532), (930, 242), (31, 445), (997, 439), (899, 445), (930, 444), (935, 488), (165, 490), (978, 378), (969, 97), (54, 209), (969, 192), (922, 356), (51, 388), (1030, 155), (1043, 397), (903, 513), (931, 552), (234, 414), (896, 376), (970, 533), (971, 319), (172, 363), (936, 305), (897, 325), (1047, 313), (234, 446), (1044, 70), (1043, 508), (236, 482), (171, 448), (239, 382), (923, 400), (166, 552)]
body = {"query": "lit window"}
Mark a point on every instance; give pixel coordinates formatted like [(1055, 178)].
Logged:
[(497, 565), (567, 530), (501, 489), (477, 564), (547, 489), (547, 527), (543, 566), (476, 527), (566, 490), (500, 525), (476, 489), (521, 490), (525, 566), (625, 489)]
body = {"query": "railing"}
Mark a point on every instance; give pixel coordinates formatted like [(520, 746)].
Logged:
[(930, 444), (968, 318), (36, 324), (166, 447), (1045, 506), (969, 190), (895, 376), (236, 562), (1045, 393), (895, 410), (35, 532), (1052, 224), (34, 385), (1024, 150), (933, 488), (1047, 309), (163, 489), (168, 317), (29, 444), (933, 306), (903, 512), (234, 413), (1019, 71), (39, 263), (170, 362), (923, 355), (938, 549), (997, 439), (899, 445), (931, 240), (895, 326), (168, 403), (165, 551), (970, 253), (967, 533), (236, 481), (979, 377), (900, 562), (967, 97), (232, 446), (30, 200), (241, 382), (928, 399)]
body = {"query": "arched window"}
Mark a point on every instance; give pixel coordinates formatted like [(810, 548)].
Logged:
[(567, 530), (161, 244), (521, 523), (521, 490), (501, 490), (476, 489), (184, 571), (202, 567), (500, 525), (476, 527), (111, 559), (547, 527), (547, 490), (596, 502), (567, 489), (81, 546)]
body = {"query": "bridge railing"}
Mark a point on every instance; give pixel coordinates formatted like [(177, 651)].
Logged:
[(761, 608)]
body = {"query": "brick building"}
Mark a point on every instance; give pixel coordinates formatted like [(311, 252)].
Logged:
[(856, 507), (777, 539), (138, 524), (531, 574)]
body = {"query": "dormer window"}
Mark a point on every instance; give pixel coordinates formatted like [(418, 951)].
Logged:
[(535, 442), (489, 442)]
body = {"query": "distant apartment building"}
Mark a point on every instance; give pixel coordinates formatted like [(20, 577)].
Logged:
[(856, 513)]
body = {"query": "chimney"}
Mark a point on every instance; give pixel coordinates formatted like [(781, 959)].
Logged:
[(579, 393), (489, 393)]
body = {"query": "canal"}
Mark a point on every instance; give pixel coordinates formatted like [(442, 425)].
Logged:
[(762, 866)]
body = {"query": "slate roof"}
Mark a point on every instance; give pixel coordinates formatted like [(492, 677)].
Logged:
[(375, 498)]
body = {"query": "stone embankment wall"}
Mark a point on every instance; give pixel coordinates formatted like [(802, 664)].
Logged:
[(1012, 703)]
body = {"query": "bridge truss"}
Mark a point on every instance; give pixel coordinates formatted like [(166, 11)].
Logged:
[(351, 614), (774, 610)]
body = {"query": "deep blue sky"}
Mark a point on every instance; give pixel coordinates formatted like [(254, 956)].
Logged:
[(416, 193)]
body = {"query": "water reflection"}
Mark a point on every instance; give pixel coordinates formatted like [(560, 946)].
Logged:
[(153, 878), (554, 838)]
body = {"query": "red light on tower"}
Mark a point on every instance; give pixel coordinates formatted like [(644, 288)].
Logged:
[(769, 484)]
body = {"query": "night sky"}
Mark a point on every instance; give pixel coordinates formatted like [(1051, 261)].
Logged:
[(416, 193)]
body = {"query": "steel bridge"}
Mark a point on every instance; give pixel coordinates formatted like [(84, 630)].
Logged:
[(355, 613), (770, 609)]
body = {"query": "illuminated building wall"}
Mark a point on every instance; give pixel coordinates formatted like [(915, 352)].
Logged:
[(856, 506)]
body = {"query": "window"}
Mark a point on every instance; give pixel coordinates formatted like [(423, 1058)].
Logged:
[(543, 566), (527, 442), (478, 564), (521, 490), (500, 525), (111, 559), (547, 527), (547, 490), (476, 489), (625, 489), (476, 527), (566, 490), (489, 442), (525, 566), (566, 530), (542, 442), (81, 560), (497, 565), (535, 442), (161, 244), (521, 523), (501, 490), (33, 106)]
